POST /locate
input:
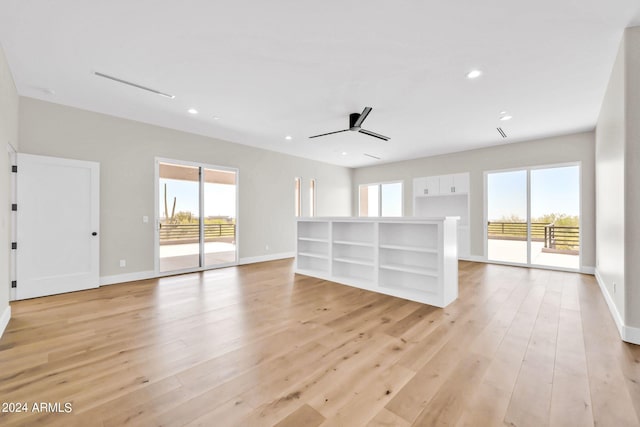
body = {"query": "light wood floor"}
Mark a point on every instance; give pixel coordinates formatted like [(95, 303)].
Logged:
[(256, 345)]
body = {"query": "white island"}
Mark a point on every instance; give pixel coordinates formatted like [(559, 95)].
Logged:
[(411, 258)]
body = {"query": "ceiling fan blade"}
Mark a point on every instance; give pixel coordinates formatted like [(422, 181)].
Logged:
[(375, 135), (363, 116), (329, 133)]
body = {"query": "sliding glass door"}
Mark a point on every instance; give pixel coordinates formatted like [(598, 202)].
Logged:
[(196, 219), (533, 216), (507, 214)]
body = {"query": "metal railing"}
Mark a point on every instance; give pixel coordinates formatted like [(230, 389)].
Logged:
[(561, 237), (554, 236), (187, 233)]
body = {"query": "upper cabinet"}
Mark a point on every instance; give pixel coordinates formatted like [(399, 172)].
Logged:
[(441, 185)]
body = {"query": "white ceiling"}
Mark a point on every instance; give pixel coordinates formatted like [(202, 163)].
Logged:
[(275, 68)]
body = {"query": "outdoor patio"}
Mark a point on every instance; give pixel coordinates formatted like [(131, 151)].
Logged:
[(516, 251)]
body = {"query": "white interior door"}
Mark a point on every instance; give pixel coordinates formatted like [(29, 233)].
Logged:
[(57, 225)]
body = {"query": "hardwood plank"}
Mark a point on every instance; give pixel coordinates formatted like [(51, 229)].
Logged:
[(493, 395), (386, 418), (257, 345), (570, 399), (531, 398), (303, 416), (611, 400)]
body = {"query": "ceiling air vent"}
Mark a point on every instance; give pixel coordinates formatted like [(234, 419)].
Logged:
[(148, 89), (501, 132)]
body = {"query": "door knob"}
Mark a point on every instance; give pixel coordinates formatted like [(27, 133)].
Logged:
[(94, 234)]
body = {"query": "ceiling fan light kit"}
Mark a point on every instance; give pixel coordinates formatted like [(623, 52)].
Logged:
[(355, 125)]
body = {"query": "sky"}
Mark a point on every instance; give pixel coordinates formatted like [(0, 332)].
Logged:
[(220, 199), (553, 190)]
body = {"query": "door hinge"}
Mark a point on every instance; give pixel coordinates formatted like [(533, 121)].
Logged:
[(14, 283), (14, 168), (14, 206), (14, 245)]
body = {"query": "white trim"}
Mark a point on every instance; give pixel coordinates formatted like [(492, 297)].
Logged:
[(476, 258), (263, 258), (4, 319), (13, 219), (473, 258), (612, 306), (127, 277), (587, 269), (144, 275), (631, 335)]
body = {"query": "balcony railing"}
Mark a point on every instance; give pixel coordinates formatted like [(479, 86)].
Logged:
[(556, 238), (190, 233)]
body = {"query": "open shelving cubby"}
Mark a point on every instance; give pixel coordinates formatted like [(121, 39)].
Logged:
[(408, 257), (313, 247), (353, 251)]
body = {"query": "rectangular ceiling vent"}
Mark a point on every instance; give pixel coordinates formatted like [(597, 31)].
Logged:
[(372, 156), (148, 89), (501, 132)]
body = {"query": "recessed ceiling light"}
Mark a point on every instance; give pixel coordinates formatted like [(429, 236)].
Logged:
[(192, 111), (505, 118), (344, 153), (216, 118), (503, 112), (474, 74), (288, 137)]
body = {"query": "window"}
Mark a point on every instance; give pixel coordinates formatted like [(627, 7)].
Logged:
[(312, 197), (297, 199), (383, 199)]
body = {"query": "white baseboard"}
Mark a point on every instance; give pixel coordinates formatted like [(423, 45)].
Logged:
[(263, 258), (585, 269), (477, 258), (127, 277), (631, 335), (628, 334), (4, 319), (472, 258), (144, 275)]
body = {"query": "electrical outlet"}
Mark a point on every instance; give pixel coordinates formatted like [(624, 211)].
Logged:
[(123, 263), (266, 247), (145, 219)]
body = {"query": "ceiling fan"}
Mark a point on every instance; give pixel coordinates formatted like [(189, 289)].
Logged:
[(355, 123)]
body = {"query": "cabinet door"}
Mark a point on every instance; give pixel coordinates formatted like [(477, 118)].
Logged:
[(461, 183), (419, 186), (446, 184), (432, 186)]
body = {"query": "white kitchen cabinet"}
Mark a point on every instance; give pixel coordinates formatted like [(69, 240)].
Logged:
[(450, 198)]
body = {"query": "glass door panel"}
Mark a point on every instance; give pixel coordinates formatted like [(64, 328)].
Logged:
[(179, 217), (507, 216), (219, 217), (555, 217)]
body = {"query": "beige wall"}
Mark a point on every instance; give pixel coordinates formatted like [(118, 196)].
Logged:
[(617, 183), (610, 222), (562, 149), (632, 179), (8, 135), (126, 151)]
